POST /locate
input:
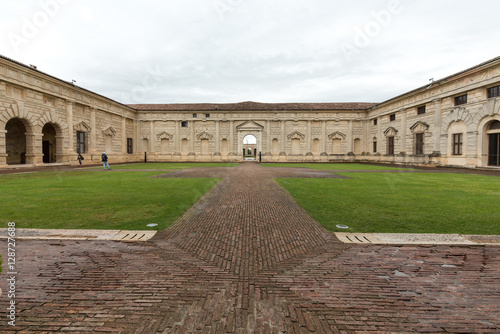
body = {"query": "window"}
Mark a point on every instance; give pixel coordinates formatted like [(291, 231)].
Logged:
[(80, 142), (374, 147), (375, 121), (195, 115), (494, 91), (390, 145), (457, 144), (462, 99), (130, 150), (419, 143), (184, 124), (207, 115), (421, 110), (392, 117)]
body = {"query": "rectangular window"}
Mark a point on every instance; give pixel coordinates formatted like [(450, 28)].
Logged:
[(184, 124), (494, 91), (374, 147), (375, 120), (457, 144), (392, 117), (421, 110), (390, 145), (195, 115), (419, 144), (207, 115), (80, 142), (130, 149), (462, 99)]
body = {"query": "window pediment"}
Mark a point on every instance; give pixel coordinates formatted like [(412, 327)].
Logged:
[(390, 132)]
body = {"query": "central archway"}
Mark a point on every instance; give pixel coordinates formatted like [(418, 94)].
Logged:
[(247, 130), (249, 146)]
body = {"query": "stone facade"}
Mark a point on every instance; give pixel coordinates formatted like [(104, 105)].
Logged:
[(451, 122)]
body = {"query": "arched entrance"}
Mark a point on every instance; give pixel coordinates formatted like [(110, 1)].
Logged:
[(249, 146), (15, 142), (493, 132), (49, 144)]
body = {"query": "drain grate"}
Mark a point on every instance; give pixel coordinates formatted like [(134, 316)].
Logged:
[(132, 236), (357, 238)]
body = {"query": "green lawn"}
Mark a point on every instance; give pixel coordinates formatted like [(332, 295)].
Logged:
[(333, 166), (402, 202), (90, 200), (170, 165)]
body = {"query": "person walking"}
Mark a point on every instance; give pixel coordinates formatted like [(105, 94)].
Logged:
[(104, 158), (80, 158)]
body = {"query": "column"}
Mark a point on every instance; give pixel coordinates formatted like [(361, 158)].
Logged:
[(34, 152), (437, 128), (268, 138), (403, 133), (283, 138), (152, 138), (323, 138), (217, 138), (124, 135), (350, 138), (309, 137), (93, 132), (231, 137), (177, 137), (3, 147), (69, 119), (191, 138), (137, 139)]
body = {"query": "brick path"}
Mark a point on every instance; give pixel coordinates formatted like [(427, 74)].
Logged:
[(247, 259)]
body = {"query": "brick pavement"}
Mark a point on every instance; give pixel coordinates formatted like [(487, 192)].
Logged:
[(247, 259)]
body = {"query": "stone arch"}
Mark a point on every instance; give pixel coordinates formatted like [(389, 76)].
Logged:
[(17, 110), (53, 118), (455, 115), (483, 138)]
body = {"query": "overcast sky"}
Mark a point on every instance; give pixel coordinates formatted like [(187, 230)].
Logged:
[(190, 51)]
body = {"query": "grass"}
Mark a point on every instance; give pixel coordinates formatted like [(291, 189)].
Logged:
[(402, 202), (170, 165), (90, 200), (333, 166)]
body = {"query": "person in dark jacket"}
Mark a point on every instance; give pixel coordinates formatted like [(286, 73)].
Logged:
[(104, 158), (80, 158)]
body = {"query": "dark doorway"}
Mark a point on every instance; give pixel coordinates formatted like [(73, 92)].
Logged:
[(15, 141), (494, 149), (49, 144)]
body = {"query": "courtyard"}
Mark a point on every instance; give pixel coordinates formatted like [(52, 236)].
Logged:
[(237, 254)]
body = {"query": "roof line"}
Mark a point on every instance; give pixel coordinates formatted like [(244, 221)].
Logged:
[(64, 81), (439, 81)]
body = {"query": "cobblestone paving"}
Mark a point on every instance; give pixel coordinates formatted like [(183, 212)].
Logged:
[(247, 259)]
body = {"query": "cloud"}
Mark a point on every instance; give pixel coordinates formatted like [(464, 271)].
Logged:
[(268, 51)]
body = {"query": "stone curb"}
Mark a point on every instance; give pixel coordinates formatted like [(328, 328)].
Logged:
[(417, 239), (116, 235)]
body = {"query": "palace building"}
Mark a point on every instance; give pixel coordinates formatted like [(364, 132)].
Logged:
[(454, 121)]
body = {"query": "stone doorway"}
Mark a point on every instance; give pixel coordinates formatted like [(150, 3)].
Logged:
[(15, 141), (49, 144), (493, 133), (249, 147)]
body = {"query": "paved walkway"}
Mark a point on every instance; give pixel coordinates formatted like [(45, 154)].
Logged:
[(247, 259)]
